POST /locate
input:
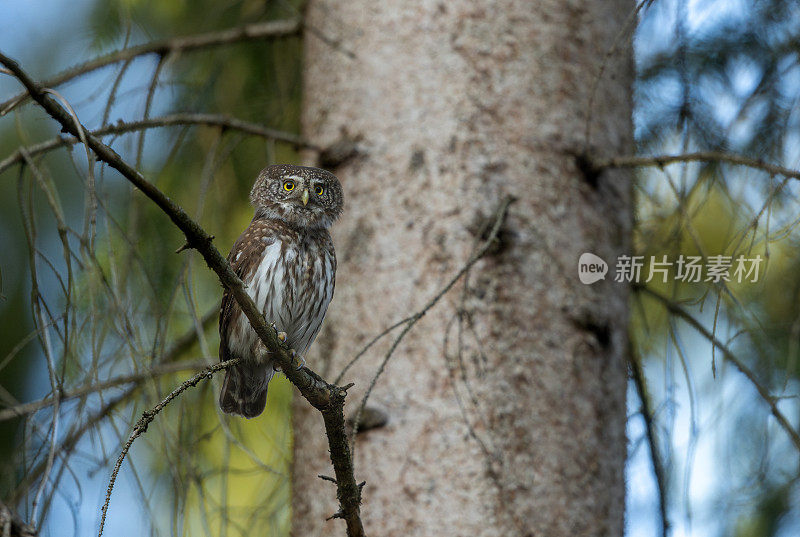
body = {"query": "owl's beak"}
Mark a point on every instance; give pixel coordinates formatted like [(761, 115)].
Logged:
[(305, 197)]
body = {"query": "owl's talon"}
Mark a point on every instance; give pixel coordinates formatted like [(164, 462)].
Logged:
[(301, 361)]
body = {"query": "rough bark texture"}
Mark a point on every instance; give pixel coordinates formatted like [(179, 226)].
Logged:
[(457, 104)]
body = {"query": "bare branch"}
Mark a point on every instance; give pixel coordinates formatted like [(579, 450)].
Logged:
[(249, 32), (11, 525), (660, 473), (771, 400), (178, 347), (703, 156), (497, 222), (147, 418), (154, 372), (66, 446), (209, 120), (369, 345), (327, 398)]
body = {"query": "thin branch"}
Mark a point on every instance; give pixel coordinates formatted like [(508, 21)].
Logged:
[(177, 45), (771, 400), (67, 445), (112, 96), (11, 525), (179, 346), (660, 473), (147, 418), (369, 345), (497, 222), (627, 25), (327, 398), (208, 120), (34, 406), (151, 91), (703, 156)]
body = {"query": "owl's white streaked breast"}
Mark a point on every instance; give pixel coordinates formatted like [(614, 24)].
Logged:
[(292, 286)]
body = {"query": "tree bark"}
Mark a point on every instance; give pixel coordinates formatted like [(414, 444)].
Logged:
[(506, 402)]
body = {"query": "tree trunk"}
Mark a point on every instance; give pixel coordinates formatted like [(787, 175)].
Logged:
[(506, 402)]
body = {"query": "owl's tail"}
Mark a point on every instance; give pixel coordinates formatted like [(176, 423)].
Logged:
[(244, 391)]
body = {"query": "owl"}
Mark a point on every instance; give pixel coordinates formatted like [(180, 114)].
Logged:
[(286, 260)]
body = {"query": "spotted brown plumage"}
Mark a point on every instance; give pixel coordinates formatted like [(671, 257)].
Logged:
[(286, 259)]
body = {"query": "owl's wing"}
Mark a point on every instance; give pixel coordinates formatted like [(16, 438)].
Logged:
[(244, 258)]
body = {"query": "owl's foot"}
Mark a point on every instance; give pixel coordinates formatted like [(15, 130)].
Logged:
[(301, 361), (281, 335)]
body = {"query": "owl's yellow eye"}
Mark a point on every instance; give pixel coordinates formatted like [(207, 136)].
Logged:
[(288, 186), (319, 190)]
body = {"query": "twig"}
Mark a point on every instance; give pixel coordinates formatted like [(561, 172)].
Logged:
[(148, 102), (249, 32), (180, 346), (68, 444), (771, 400), (626, 27), (208, 120), (499, 218), (327, 398), (640, 382), (11, 525), (147, 418), (369, 345), (112, 95), (702, 156), (157, 371), (39, 316)]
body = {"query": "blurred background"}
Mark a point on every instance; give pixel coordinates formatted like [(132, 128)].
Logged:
[(91, 289)]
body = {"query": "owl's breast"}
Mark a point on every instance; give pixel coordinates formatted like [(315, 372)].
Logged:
[(293, 285)]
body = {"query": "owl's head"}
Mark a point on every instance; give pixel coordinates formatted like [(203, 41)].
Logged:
[(300, 196)]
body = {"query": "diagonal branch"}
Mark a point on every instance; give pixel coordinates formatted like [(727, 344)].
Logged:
[(498, 218), (164, 47), (327, 398), (145, 421), (209, 120), (11, 525), (770, 399), (637, 373), (182, 344), (703, 156), (34, 406)]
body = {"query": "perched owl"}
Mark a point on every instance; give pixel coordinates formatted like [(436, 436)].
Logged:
[(286, 260)]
